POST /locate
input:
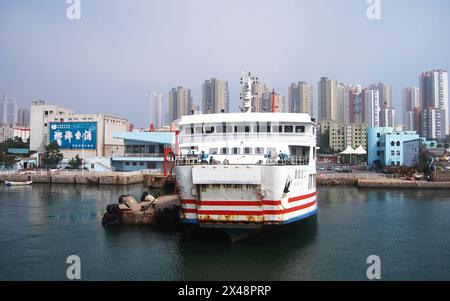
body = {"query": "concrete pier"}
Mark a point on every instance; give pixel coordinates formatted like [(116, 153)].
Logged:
[(399, 183), (373, 180), (80, 177)]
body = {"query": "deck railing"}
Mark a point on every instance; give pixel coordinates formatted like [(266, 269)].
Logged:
[(288, 160)]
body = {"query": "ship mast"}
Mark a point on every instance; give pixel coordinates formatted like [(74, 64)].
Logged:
[(247, 95)]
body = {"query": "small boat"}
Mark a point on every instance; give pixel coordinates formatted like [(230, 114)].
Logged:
[(11, 183)]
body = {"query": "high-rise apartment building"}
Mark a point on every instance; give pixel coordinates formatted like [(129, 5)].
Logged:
[(180, 103), (387, 117), (301, 98), (387, 111), (434, 95), (215, 96), (327, 98), (9, 109), (432, 123), (372, 108), (259, 90), (353, 104), (342, 99), (385, 94), (156, 109), (23, 117), (411, 102)]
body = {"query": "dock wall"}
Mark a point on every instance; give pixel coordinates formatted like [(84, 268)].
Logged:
[(95, 178)]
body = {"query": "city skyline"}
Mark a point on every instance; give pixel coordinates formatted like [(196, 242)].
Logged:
[(94, 64)]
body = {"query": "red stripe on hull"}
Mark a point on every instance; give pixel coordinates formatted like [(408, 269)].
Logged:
[(289, 210), (247, 203), (243, 212), (302, 197)]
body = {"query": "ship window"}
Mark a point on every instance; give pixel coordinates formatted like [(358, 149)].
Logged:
[(213, 151), (277, 129), (242, 129), (261, 128), (259, 150), (247, 150), (189, 130), (288, 128), (224, 151), (235, 150), (209, 129), (299, 129), (223, 128), (199, 130)]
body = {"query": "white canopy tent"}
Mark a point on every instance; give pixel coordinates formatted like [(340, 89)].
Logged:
[(350, 151), (360, 150)]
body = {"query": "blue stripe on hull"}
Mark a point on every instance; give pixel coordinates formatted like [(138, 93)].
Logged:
[(300, 217)]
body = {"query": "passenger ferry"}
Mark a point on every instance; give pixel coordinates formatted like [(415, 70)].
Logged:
[(245, 171)]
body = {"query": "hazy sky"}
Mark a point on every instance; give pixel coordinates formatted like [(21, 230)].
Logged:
[(109, 59)]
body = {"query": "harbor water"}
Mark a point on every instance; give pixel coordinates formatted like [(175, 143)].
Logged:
[(41, 225)]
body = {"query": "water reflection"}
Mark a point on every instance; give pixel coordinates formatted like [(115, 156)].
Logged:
[(207, 255)]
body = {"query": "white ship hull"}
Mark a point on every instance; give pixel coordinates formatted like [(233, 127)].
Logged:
[(245, 196)]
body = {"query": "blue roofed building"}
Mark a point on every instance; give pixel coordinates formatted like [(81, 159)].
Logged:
[(142, 150), (392, 148)]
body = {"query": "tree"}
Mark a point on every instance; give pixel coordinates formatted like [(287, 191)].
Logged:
[(325, 143), (424, 160), (75, 162), (52, 155), (16, 142), (7, 160)]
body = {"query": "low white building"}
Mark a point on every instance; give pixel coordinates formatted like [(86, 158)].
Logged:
[(86, 135)]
